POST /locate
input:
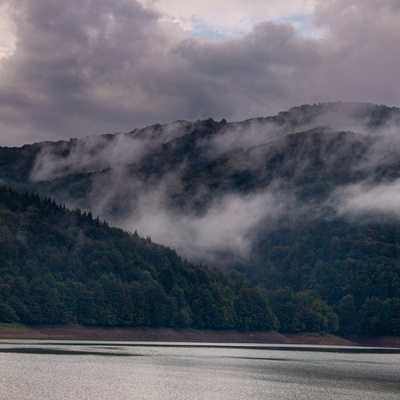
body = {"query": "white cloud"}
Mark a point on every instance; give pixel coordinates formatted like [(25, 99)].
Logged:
[(7, 36), (228, 18), (368, 199), (226, 226)]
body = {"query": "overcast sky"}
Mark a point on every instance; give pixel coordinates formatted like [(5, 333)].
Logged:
[(81, 67)]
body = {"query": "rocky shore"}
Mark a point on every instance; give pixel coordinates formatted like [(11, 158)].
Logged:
[(78, 332)]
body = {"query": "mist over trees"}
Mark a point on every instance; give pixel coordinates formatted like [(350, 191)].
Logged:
[(299, 211), (59, 266)]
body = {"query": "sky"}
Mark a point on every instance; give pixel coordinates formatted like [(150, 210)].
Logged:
[(83, 67)]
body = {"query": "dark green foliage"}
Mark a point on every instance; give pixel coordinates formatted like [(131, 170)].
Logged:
[(253, 310), (380, 317), (59, 266), (348, 315), (303, 311), (352, 267)]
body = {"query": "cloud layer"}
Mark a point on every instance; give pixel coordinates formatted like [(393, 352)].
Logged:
[(97, 66), (229, 18), (360, 200)]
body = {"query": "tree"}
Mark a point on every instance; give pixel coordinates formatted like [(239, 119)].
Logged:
[(347, 313), (253, 311), (303, 311)]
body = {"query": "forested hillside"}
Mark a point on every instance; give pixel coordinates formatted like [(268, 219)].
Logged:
[(59, 266), (303, 204), (354, 267)]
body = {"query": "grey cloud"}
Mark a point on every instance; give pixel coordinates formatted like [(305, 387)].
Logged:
[(97, 66), (227, 227), (96, 153), (244, 77), (341, 116), (77, 65), (368, 200), (360, 51), (237, 137)]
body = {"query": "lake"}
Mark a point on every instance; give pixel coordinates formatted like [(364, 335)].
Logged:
[(41, 370)]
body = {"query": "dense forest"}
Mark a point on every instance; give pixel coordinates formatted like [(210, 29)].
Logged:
[(354, 267), (59, 266)]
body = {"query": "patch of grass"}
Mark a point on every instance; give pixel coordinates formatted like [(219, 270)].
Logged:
[(14, 325), (317, 334), (198, 331)]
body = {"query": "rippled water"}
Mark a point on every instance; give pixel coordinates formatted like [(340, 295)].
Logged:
[(126, 370)]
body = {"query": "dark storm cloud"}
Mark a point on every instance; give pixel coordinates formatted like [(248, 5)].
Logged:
[(96, 66), (252, 73), (74, 61), (360, 50)]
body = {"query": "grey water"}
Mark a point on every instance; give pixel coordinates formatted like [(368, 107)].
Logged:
[(60, 370)]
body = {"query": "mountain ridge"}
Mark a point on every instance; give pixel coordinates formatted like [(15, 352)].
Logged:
[(231, 194), (201, 161)]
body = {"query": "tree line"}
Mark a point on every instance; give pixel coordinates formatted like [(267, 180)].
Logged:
[(59, 266), (353, 267)]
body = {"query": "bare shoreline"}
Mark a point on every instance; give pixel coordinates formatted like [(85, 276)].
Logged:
[(79, 332)]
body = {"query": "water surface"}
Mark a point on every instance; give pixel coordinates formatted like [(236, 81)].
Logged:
[(128, 370)]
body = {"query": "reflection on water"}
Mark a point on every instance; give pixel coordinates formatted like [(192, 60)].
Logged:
[(126, 370)]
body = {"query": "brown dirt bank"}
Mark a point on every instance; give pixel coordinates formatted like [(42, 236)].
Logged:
[(78, 332)]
